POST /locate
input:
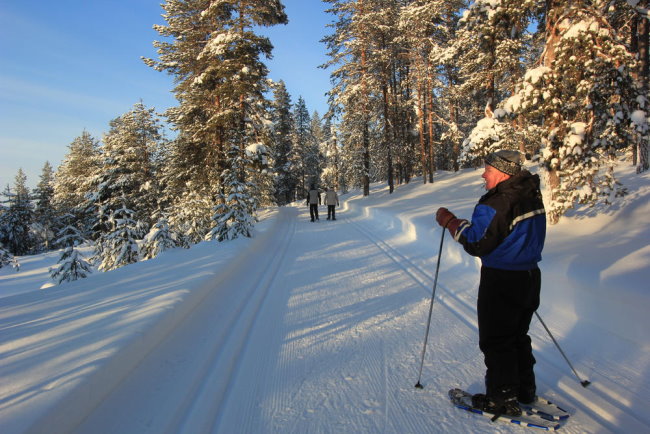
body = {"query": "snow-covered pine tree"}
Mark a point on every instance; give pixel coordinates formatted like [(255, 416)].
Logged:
[(259, 174), (633, 15), (314, 158), (69, 235), (419, 24), (127, 175), (586, 95), (118, 246), (281, 145), (186, 197), (234, 214), (491, 50), (215, 55), (46, 222), (490, 47), (15, 222), (6, 258), (190, 217), (159, 239), (349, 48), (492, 133), (72, 181), (302, 146), (386, 81), (71, 266), (331, 154), (373, 90)]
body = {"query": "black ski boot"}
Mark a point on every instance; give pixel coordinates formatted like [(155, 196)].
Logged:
[(497, 405)]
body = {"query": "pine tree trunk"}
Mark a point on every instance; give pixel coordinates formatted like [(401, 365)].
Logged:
[(387, 139), (553, 11), (366, 116), (453, 116), (634, 48), (432, 155), (644, 43), (366, 159), (423, 150)]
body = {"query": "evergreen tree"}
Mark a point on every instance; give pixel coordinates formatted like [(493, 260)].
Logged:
[(15, 222), (191, 218), (490, 48), (332, 162), (573, 92), (6, 258), (303, 143), (586, 95), (118, 246), (72, 181), (159, 239), (127, 175), (350, 48), (495, 132), (234, 214), (281, 145), (69, 235), (185, 197), (314, 155), (45, 217), (221, 82), (259, 174), (71, 266)]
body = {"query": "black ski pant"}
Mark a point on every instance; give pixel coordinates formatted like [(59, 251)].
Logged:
[(331, 212), (507, 301), (313, 211)]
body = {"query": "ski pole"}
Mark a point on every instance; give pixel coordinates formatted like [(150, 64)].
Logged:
[(584, 383), (433, 296)]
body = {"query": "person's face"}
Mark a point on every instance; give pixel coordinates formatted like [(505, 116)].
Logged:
[(493, 177)]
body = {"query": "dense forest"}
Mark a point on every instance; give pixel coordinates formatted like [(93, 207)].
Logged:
[(417, 86)]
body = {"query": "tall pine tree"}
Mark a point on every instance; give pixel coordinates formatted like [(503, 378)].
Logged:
[(15, 222), (216, 58), (46, 221), (281, 145), (72, 181)]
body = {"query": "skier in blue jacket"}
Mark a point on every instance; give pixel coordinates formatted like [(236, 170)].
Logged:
[(507, 231)]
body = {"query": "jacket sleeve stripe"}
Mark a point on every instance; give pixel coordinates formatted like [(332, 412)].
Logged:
[(526, 216)]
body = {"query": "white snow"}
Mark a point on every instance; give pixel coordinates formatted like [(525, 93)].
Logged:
[(318, 327)]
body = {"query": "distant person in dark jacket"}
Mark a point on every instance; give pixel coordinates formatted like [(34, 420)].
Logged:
[(507, 232), (313, 200), (332, 201)]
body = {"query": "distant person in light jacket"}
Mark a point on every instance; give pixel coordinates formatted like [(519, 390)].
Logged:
[(313, 200), (332, 201)]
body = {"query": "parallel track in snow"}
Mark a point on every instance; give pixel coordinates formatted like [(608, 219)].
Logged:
[(553, 368), (425, 279), (188, 375)]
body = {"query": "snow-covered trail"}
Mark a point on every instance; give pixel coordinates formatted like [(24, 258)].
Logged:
[(315, 327), (320, 330), (288, 346)]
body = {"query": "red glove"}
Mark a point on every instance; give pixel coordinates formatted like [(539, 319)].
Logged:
[(447, 219), (444, 216)]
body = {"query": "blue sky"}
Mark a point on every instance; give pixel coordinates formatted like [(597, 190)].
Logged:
[(71, 65)]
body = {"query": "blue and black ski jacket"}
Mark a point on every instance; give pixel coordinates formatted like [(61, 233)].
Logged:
[(508, 225)]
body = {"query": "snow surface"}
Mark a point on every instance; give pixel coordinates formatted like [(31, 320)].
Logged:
[(318, 327)]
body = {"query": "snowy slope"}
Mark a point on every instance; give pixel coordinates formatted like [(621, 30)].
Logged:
[(318, 327)]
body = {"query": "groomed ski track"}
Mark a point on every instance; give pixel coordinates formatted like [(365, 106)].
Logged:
[(279, 344)]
